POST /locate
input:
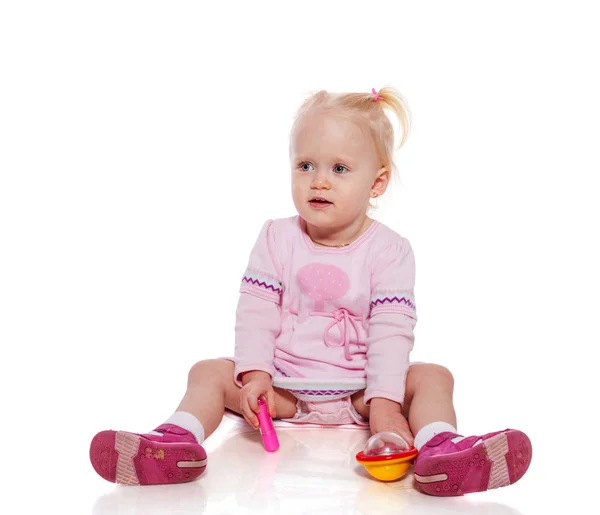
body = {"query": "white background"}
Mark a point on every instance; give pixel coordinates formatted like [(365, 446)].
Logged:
[(143, 144)]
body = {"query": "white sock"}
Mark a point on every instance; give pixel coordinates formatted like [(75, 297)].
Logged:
[(430, 430), (186, 420)]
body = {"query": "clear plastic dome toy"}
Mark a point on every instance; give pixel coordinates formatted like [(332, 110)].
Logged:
[(386, 456)]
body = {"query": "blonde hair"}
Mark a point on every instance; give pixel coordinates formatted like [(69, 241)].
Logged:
[(368, 114)]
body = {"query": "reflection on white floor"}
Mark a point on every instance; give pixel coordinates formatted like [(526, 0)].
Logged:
[(314, 471)]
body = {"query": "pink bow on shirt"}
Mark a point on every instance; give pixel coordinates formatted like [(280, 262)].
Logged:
[(342, 318)]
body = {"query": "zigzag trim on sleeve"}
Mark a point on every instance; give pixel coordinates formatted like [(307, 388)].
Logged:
[(393, 301), (262, 285)]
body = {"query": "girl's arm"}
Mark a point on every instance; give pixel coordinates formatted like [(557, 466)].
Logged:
[(389, 344), (257, 326), (258, 316), (392, 321)]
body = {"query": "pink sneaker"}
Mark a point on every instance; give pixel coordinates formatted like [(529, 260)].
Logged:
[(474, 464), (143, 459)]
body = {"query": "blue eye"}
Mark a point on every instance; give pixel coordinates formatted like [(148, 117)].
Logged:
[(337, 169)]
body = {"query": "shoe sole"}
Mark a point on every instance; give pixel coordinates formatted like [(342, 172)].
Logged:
[(496, 462), (130, 459)]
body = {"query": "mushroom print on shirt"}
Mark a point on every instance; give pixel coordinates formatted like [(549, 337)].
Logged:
[(322, 283)]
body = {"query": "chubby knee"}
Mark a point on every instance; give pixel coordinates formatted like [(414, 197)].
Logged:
[(431, 372), (211, 370)]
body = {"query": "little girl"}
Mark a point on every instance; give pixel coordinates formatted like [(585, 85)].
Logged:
[(325, 324)]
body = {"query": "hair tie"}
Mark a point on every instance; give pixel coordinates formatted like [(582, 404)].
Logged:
[(377, 97)]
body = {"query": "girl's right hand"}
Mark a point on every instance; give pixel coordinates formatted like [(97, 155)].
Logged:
[(256, 384)]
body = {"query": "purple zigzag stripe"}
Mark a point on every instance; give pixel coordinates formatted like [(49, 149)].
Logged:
[(390, 300), (261, 283), (321, 392)]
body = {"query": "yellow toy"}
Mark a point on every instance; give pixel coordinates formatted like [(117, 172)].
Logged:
[(386, 456)]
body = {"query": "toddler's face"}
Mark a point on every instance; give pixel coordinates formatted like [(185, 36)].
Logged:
[(332, 159)]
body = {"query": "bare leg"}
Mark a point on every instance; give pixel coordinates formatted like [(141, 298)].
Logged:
[(211, 389), (428, 399)]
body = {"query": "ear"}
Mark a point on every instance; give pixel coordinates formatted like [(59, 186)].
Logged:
[(382, 179)]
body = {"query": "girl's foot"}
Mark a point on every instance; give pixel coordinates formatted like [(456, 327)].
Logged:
[(472, 464), (174, 456)]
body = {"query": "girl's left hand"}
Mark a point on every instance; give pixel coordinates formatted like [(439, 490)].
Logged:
[(387, 416)]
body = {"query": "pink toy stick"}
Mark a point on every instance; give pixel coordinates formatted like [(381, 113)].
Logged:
[(267, 431)]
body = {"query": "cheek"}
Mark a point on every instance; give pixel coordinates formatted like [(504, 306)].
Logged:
[(299, 181), (297, 188), (359, 191)]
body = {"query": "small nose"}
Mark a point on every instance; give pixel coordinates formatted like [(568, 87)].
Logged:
[(320, 181)]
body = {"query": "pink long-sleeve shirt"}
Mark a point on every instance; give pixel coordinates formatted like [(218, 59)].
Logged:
[(320, 313)]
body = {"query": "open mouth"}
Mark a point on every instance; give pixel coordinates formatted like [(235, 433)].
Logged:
[(319, 201)]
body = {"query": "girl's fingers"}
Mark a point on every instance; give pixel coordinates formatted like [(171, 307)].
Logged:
[(249, 402), (248, 414), (408, 437), (253, 402), (251, 418)]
